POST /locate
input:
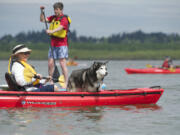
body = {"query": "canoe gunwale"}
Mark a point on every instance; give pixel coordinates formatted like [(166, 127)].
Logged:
[(67, 99), (81, 95)]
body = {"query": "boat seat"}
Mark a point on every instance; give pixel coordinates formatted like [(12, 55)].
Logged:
[(12, 84)]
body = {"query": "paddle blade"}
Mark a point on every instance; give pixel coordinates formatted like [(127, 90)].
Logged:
[(61, 81), (177, 66), (171, 69), (149, 66), (56, 73)]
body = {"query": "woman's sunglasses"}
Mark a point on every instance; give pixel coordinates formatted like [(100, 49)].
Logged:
[(26, 53)]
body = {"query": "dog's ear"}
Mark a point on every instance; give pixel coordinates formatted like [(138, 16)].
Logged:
[(106, 62), (95, 64)]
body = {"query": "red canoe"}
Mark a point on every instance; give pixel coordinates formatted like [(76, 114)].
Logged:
[(152, 71), (66, 99)]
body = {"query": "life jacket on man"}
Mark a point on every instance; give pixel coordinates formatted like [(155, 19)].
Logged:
[(167, 63), (56, 23)]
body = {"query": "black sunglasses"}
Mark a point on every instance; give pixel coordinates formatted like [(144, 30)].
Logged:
[(26, 53)]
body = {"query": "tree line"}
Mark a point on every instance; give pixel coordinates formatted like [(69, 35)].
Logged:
[(134, 41)]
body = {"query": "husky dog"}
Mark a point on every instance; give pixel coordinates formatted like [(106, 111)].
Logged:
[(89, 79)]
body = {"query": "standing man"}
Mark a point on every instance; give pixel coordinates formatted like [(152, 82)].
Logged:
[(58, 29)]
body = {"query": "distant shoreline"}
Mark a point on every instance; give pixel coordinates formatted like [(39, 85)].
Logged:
[(104, 54)]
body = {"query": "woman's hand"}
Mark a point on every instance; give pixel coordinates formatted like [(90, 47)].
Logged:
[(38, 76)]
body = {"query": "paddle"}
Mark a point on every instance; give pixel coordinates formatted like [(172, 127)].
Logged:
[(171, 69), (56, 74), (60, 79), (149, 66), (177, 66)]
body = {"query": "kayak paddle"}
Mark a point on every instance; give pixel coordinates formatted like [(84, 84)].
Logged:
[(149, 66), (56, 74), (171, 69), (60, 79)]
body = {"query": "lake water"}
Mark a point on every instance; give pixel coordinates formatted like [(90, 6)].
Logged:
[(160, 119)]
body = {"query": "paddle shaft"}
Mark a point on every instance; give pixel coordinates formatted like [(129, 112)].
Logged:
[(54, 79), (42, 10), (56, 73), (151, 66)]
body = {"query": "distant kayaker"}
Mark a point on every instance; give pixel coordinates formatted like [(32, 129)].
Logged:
[(25, 74), (58, 30), (167, 63)]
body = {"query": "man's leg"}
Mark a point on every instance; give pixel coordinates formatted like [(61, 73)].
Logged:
[(62, 62), (50, 66)]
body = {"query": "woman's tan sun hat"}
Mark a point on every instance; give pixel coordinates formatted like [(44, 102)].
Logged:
[(20, 49)]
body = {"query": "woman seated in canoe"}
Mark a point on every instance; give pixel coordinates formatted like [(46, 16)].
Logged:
[(25, 75), (167, 63)]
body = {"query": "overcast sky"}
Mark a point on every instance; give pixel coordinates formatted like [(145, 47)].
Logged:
[(94, 17)]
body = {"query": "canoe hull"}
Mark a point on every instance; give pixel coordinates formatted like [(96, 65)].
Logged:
[(151, 71), (67, 99)]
